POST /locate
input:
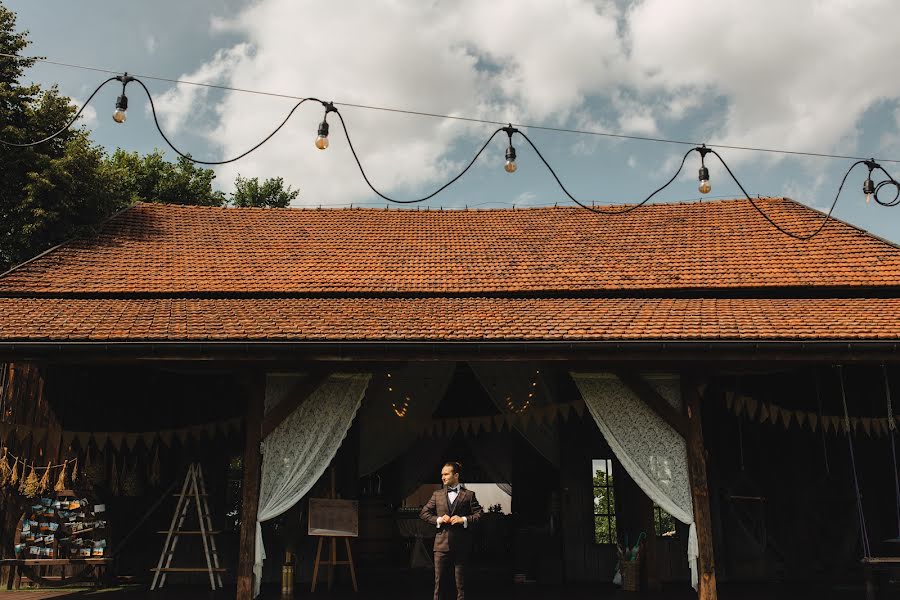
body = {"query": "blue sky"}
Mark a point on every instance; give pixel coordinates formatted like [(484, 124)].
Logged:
[(804, 75)]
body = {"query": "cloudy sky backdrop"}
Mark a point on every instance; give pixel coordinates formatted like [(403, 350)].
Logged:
[(808, 75)]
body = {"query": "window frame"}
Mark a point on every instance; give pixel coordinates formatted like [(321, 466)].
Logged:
[(609, 512)]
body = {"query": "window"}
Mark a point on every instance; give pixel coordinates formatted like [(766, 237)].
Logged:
[(665, 523), (604, 501)]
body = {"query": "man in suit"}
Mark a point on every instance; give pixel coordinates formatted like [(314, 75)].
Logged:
[(453, 510)]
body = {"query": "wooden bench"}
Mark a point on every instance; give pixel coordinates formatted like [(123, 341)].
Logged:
[(17, 565), (873, 565)]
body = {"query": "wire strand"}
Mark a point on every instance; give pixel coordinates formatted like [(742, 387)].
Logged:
[(65, 127), (429, 196), (623, 211), (216, 162), (457, 117)]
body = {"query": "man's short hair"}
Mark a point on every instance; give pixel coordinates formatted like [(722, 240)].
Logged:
[(457, 467)]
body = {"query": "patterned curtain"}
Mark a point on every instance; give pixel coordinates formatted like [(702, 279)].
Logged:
[(653, 454), (300, 449)]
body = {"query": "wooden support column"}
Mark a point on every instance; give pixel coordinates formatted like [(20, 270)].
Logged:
[(696, 451), (255, 387)]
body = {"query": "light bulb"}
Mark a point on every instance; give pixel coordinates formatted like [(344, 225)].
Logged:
[(869, 189), (120, 113), (705, 187), (510, 165), (322, 139)]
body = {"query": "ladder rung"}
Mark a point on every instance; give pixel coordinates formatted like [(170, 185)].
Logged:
[(188, 570), (191, 532)]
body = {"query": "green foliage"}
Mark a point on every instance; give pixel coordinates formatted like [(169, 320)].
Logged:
[(604, 506), (66, 187), (269, 194), (151, 178)]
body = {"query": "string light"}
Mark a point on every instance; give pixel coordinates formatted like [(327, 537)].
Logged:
[(869, 187), (705, 187), (400, 408), (120, 114), (523, 407)]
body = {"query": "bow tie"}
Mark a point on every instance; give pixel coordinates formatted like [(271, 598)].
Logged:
[(454, 490)]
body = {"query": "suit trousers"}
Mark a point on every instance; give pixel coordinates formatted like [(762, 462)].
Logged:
[(444, 564)]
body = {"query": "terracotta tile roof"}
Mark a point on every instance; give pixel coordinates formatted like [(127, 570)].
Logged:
[(181, 250), (448, 319)]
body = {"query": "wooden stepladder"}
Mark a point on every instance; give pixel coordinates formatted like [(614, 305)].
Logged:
[(193, 489)]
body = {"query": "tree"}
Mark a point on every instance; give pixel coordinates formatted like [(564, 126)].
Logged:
[(151, 178), (50, 191), (270, 194)]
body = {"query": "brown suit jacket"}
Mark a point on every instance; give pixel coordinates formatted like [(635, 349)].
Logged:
[(456, 538)]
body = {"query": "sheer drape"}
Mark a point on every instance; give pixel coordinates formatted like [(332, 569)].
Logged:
[(493, 451), (424, 384), (299, 450), (653, 454), (509, 384)]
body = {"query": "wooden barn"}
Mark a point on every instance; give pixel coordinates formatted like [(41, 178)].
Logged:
[(678, 397)]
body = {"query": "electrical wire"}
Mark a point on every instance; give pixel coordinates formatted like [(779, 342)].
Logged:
[(216, 162), (424, 198), (623, 211), (510, 130), (65, 127), (455, 117)]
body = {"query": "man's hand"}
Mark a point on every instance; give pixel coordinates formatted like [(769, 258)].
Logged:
[(446, 519), (456, 520)]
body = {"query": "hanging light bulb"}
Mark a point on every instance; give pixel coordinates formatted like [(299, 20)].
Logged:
[(322, 138), (510, 165), (704, 187), (869, 188), (120, 114)]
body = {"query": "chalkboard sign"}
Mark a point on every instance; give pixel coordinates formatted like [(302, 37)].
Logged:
[(338, 518)]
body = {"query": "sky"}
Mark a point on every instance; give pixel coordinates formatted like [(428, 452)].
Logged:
[(809, 76)]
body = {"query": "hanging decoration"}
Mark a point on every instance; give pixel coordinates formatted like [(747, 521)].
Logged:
[(61, 481), (521, 407), (30, 484), (44, 483), (771, 413), (5, 471), (400, 408)]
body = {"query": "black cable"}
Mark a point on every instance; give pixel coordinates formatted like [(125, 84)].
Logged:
[(66, 126), (597, 210), (801, 237), (432, 194), (456, 117), (217, 162)]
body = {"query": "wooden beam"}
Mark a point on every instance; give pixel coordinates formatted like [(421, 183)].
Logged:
[(255, 386), (648, 524), (294, 398), (699, 488), (654, 400)]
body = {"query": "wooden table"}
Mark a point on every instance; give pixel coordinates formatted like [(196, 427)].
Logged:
[(16, 566), (872, 565)]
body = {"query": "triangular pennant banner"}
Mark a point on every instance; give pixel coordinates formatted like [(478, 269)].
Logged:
[(813, 419), (131, 439), (67, 438), (116, 438), (752, 404), (739, 402), (729, 401), (866, 423), (774, 411), (786, 416), (764, 413), (182, 435), (800, 416), (565, 410), (578, 406)]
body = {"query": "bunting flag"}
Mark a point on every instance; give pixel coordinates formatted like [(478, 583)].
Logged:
[(769, 413)]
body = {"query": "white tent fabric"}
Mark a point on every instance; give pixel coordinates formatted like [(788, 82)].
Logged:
[(417, 388), (510, 385), (299, 450), (653, 454)]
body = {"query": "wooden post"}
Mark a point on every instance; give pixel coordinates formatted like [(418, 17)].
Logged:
[(255, 387), (699, 488), (648, 525)]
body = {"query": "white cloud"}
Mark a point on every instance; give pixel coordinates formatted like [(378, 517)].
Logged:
[(88, 116), (150, 43), (773, 74)]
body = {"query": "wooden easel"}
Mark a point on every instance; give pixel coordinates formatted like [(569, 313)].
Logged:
[(332, 560)]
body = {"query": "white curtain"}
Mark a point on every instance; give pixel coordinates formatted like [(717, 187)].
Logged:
[(653, 454), (510, 385), (396, 404), (299, 450)]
